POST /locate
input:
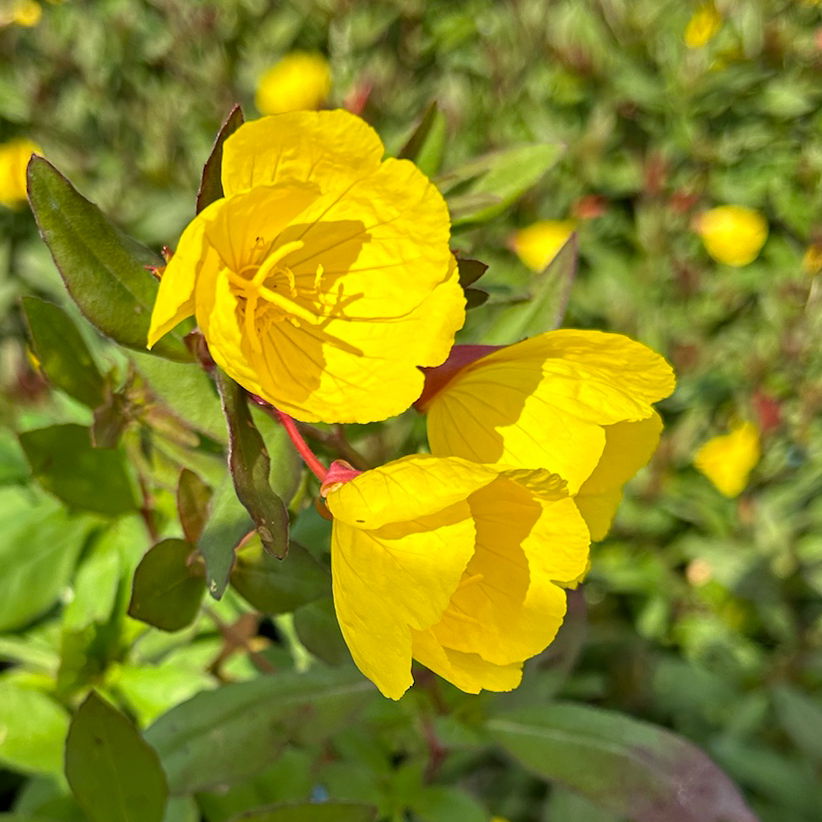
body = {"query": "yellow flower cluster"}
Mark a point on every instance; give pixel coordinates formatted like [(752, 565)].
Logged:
[(323, 282)]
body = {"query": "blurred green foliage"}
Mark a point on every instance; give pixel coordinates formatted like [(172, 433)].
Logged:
[(700, 614)]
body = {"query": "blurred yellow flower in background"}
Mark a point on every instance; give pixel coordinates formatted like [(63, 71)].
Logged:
[(812, 259), (578, 403), (455, 564), (301, 80), (324, 277), (732, 234), (538, 244), (14, 157), (703, 26), (728, 460), (20, 12)]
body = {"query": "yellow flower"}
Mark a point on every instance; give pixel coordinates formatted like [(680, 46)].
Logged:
[(454, 564), (812, 259), (323, 277), (299, 81), (14, 157), (577, 403), (21, 12), (728, 460), (703, 26), (732, 234), (540, 242)]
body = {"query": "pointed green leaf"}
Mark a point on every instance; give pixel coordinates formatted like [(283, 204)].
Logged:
[(427, 144), (62, 352), (801, 717), (311, 812), (626, 766), (211, 184), (278, 586), (193, 497), (250, 467), (168, 586), (223, 736), (470, 270), (64, 462), (485, 187), (103, 269), (318, 630), (114, 774)]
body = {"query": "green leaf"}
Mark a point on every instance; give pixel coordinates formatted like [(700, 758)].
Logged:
[(103, 269), (228, 522), (311, 812), (168, 586), (250, 467), (113, 773), (40, 546), (278, 586), (32, 729), (427, 144), (224, 736), (62, 352), (801, 717), (211, 184), (193, 497), (470, 271), (626, 766), (318, 630), (543, 308), (486, 186), (64, 462), (440, 803)]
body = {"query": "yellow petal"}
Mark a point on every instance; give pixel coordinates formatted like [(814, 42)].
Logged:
[(703, 25), (14, 160), (508, 606), (469, 672), (390, 580), (543, 402), (728, 460), (194, 255), (538, 244), (331, 148), (628, 447)]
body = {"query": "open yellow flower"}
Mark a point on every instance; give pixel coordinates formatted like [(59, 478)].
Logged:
[(454, 564), (578, 403), (323, 277), (301, 80), (14, 157), (537, 244), (733, 234), (728, 460)]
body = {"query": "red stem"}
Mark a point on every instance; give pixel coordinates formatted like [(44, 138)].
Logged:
[(309, 457)]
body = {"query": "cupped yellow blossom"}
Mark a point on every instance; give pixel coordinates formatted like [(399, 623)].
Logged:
[(25, 13), (727, 460), (14, 157), (538, 244), (323, 277), (301, 80), (578, 403), (703, 26), (455, 564), (733, 234)]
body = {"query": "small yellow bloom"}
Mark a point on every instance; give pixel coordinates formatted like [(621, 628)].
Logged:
[(728, 460), (14, 157), (703, 26), (578, 403), (323, 277), (733, 234), (20, 12), (454, 564), (540, 242), (812, 259), (299, 81)]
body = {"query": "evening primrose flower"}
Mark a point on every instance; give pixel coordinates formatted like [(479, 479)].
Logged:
[(728, 460), (733, 234), (323, 277), (538, 244), (14, 157), (455, 564), (578, 403), (703, 26), (301, 80)]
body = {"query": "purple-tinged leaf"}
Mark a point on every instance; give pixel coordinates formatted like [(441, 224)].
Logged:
[(211, 184)]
